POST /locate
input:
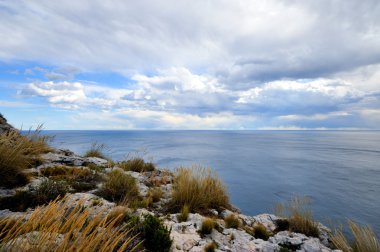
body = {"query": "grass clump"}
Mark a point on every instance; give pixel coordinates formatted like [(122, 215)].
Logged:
[(299, 216), (208, 225), (211, 247), (81, 231), (136, 165), (156, 235), (364, 239), (119, 187), (184, 214), (96, 150), (155, 194), (260, 232), (198, 188), (232, 221), (118, 215), (19, 152), (281, 225)]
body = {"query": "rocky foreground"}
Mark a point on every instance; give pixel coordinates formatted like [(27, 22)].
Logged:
[(185, 235)]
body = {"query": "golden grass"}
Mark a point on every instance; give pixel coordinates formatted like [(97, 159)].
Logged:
[(211, 247), (61, 226), (184, 214), (137, 165), (364, 239), (155, 194), (299, 215), (232, 221), (119, 187), (198, 188), (18, 152), (208, 225), (96, 150)]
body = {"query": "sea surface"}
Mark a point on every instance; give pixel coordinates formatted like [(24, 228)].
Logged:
[(338, 170)]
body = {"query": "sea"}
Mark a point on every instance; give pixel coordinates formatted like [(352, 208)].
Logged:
[(339, 171)]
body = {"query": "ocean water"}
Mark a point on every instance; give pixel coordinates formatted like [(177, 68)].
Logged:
[(338, 170)]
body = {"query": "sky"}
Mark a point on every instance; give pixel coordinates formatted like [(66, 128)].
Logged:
[(199, 64)]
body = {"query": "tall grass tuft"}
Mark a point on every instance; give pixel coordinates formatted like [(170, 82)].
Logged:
[(299, 215), (96, 150), (364, 239), (199, 189), (119, 187), (137, 165), (17, 153), (61, 226)]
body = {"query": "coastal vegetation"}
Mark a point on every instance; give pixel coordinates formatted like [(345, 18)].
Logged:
[(207, 226), (96, 150), (19, 152), (136, 164), (199, 189), (232, 221)]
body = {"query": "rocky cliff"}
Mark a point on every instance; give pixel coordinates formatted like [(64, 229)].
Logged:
[(4, 125)]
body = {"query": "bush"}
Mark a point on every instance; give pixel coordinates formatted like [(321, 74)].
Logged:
[(119, 187), (199, 189), (19, 202), (17, 153), (299, 215), (207, 226), (156, 235), (136, 165), (281, 225), (364, 239), (49, 190), (81, 232), (232, 221), (260, 232), (184, 215), (211, 247), (96, 150)]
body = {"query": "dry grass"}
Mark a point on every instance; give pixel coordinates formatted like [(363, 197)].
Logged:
[(198, 188), (96, 150), (208, 225), (364, 239), (119, 187), (155, 194), (61, 226), (136, 165), (184, 214), (211, 247), (299, 215), (232, 221), (17, 153), (260, 232)]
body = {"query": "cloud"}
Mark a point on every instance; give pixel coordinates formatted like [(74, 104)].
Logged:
[(240, 42)]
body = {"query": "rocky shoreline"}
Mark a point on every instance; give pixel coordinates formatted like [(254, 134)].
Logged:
[(185, 235)]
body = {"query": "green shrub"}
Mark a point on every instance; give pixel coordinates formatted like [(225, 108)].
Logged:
[(260, 232), (364, 239), (49, 190), (156, 235), (19, 202), (96, 150), (17, 153), (198, 188), (184, 214), (136, 165), (119, 187), (207, 226), (232, 221), (211, 247)]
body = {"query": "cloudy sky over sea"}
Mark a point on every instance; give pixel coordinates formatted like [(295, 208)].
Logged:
[(191, 64)]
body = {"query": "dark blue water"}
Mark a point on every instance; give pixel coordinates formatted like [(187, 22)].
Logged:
[(339, 170)]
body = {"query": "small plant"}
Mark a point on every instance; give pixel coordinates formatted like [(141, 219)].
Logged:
[(211, 247), (96, 150), (281, 225), (49, 190), (19, 152), (207, 226), (156, 194), (260, 232), (119, 187), (232, 221), (136, 165), (156, 235), (198, 188), (184, 214), (299, 215), (118, 215), (364, 239)]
